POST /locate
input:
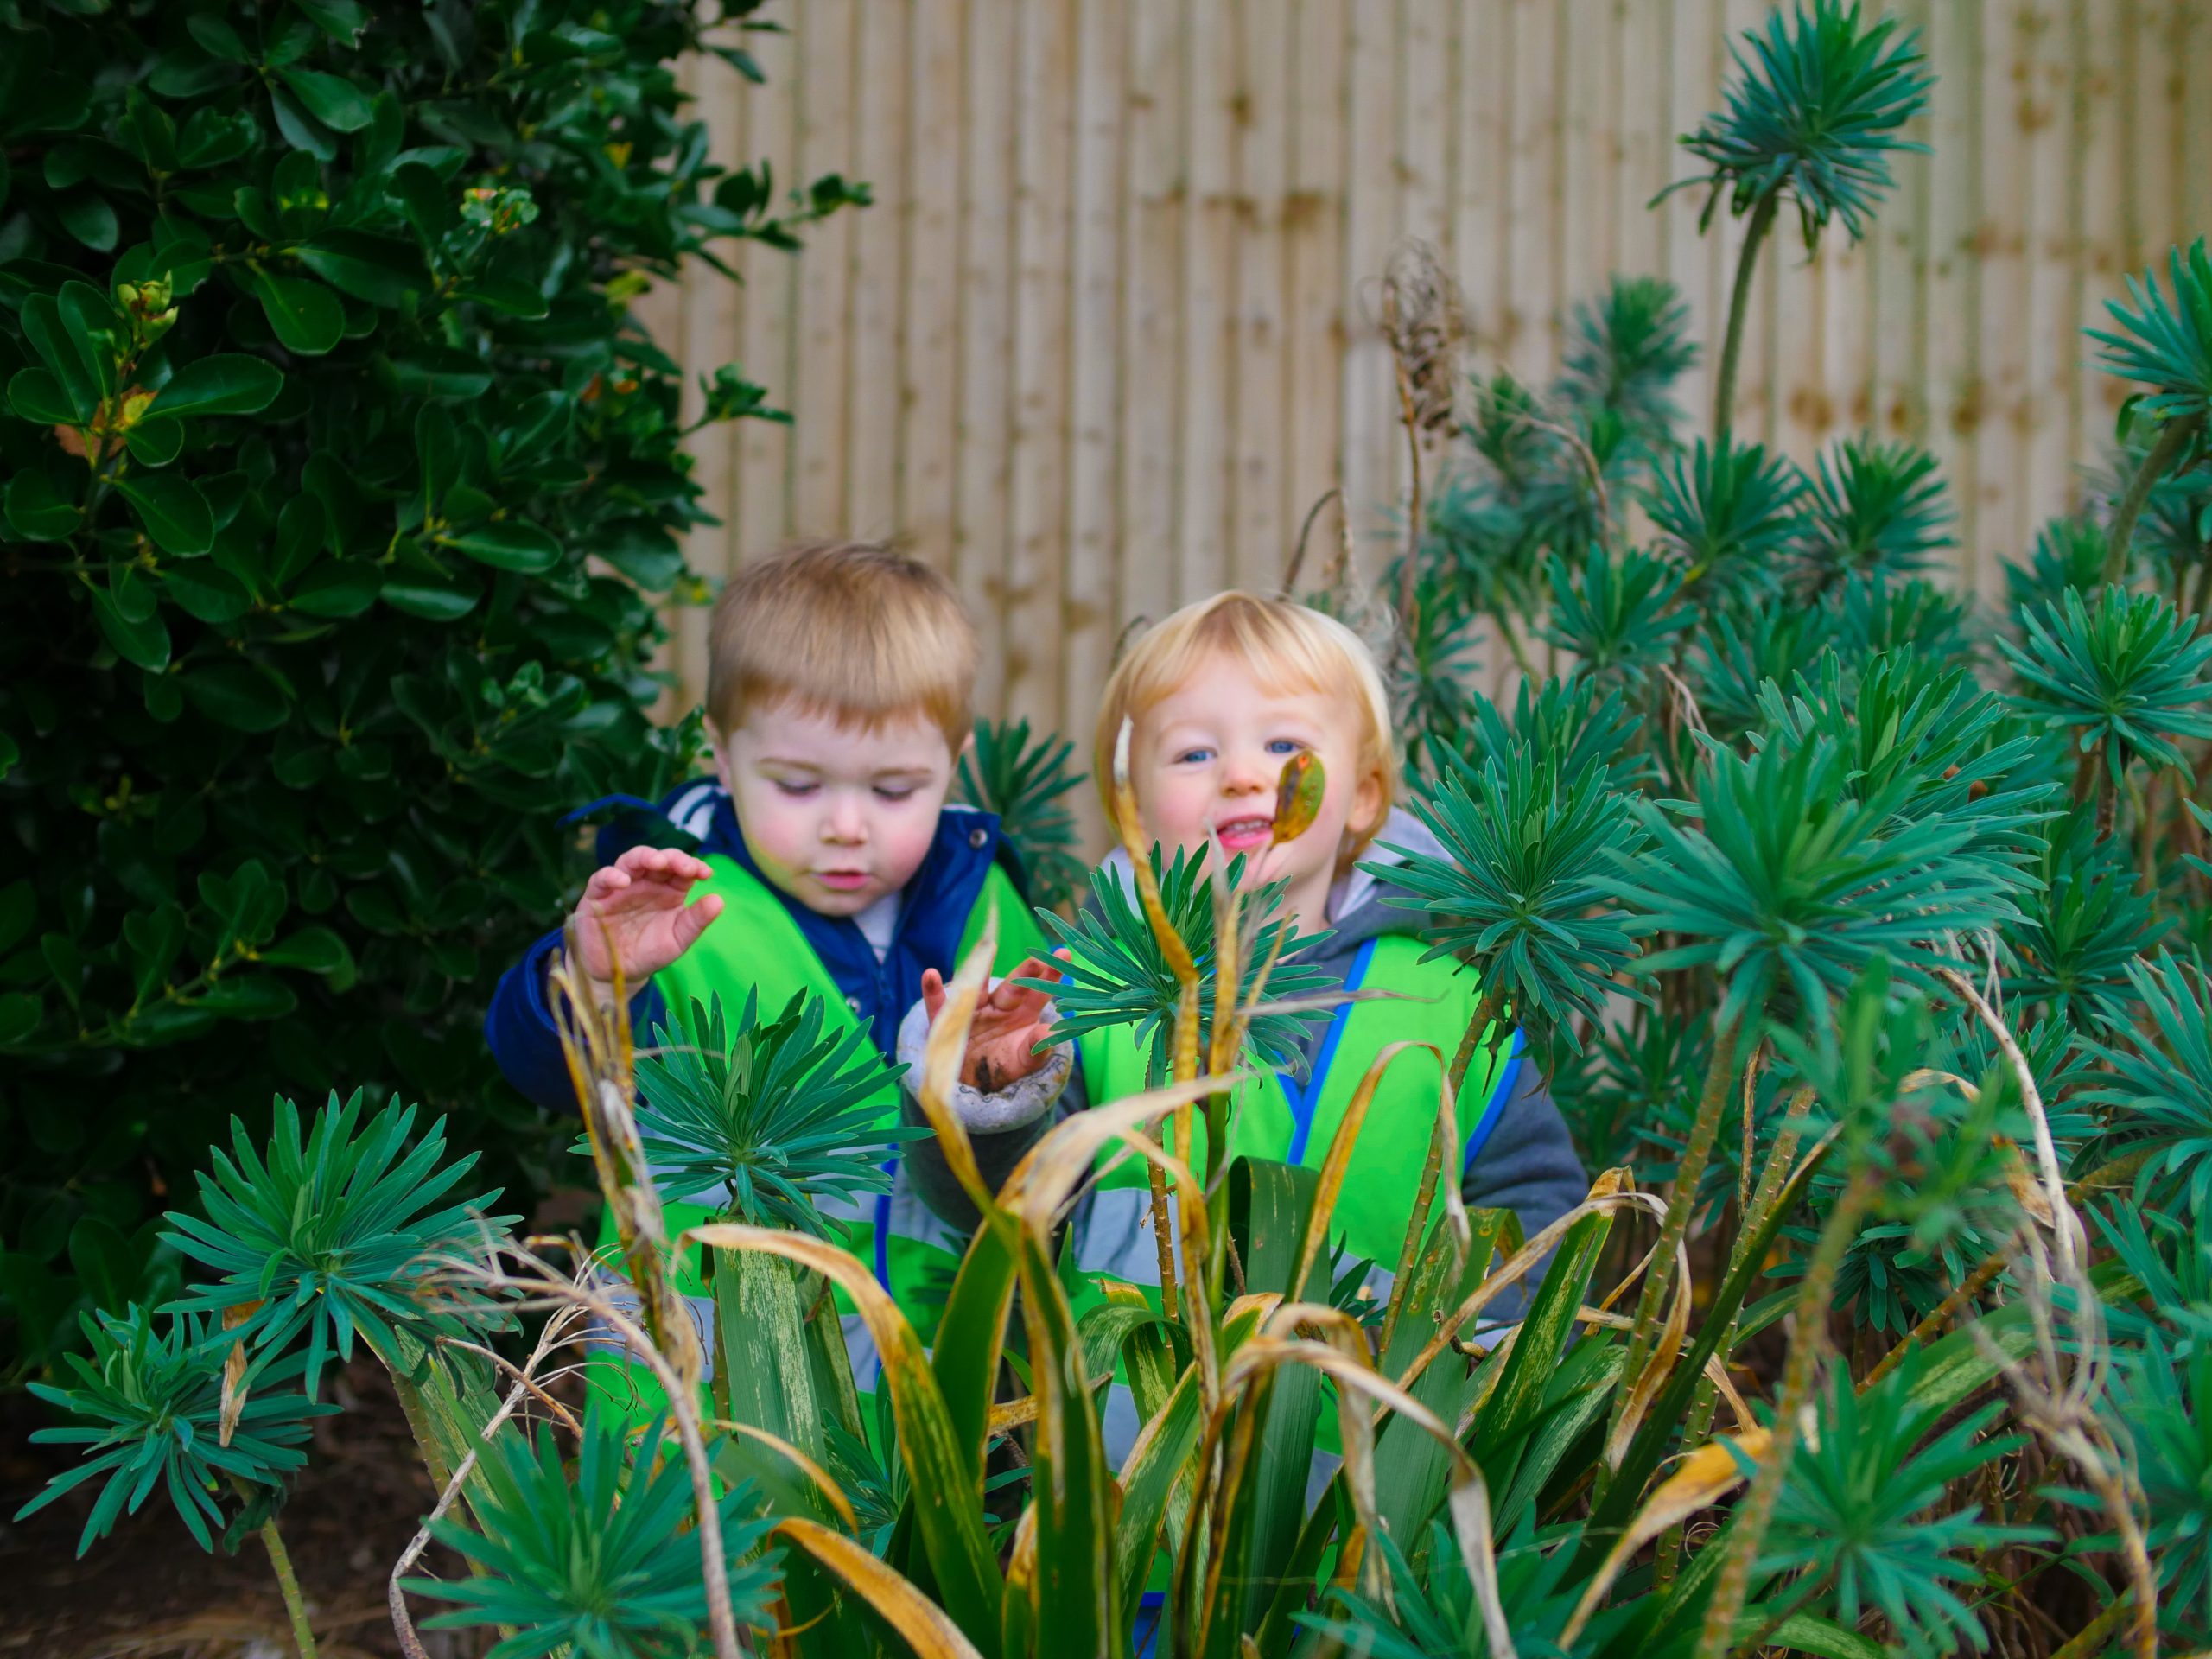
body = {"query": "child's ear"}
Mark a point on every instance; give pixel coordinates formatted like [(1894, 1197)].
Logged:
[(1367, 806), (718, 746)]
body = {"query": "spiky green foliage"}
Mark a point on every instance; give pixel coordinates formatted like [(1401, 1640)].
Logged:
[(1813, 117), (1115, 973), (2068, 553), (2127, 675), (1873, 615), (1518, 892), (2165, 1403), (2083, 928), (1635, 1073), (1791, 877), (1738, 651), (2163, 1088), (604, 1565), (1432, 1612), (151, 1398), (1864, 1511), (1617, 613), (1585, 724), (2166, 346), (334, 1236), (763, 1119), (1024, 781), (1436, 689), (1935, 737), (1625, 350), (1728, 513), (1872, 508)]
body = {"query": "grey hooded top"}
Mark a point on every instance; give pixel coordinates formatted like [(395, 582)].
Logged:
[(1528, 1165)]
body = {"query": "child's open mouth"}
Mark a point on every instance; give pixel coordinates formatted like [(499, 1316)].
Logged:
[(1243, 834)]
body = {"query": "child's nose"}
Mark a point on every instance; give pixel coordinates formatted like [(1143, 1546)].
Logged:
[(1246, 773), (845, 822)]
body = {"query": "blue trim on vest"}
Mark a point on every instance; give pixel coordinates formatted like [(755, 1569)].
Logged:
[(883, 1234), (1494, 1108), (1303, 1100)]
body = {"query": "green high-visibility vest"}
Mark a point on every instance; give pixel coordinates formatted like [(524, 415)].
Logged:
[(1291, 1120), (755, 946)]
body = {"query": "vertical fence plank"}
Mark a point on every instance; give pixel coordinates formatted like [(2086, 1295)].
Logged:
[(982, 521), (1640, 71), (1479, 175), (1261, 107), (1093, 533), (879, 241), (2101, 253), (1953, 373), (1314, 238), (1209, 298), (1039, 450), (1152, 317), (1693, 256), (1897, 269), (826, 32), (2008, 111), (767, 338), (929, 333), (1426, 32), (1368, 400), (1534, 207), (2048, 107)]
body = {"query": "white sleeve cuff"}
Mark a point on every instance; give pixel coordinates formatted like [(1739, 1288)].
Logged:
[(1021, 1103)]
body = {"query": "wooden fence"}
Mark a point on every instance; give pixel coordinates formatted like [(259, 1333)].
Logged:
[(1107, 330)]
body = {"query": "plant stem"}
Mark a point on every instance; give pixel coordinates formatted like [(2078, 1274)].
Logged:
[(2173, 438), (2090, 1638), (287, 1581), (1703, 1133), (1724, 387), (1807, 1342), (1486, 1016)]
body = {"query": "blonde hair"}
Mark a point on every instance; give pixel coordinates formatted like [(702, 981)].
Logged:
[(853, 630), (1291, 646)]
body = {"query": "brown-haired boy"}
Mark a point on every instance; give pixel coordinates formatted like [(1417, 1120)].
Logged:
[(828, 858)]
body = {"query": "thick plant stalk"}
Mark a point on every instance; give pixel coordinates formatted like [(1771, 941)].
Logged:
[(1755, 1210), (1805, 1349), (1486, 1016), (1127, 822), (2174, 437), (1703, 1133), (1731, 350), (296, 1606)]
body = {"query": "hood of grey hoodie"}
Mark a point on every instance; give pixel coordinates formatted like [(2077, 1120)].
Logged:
[(1365, 904)]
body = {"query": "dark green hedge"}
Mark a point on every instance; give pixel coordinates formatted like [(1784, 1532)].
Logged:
[(340, 491)]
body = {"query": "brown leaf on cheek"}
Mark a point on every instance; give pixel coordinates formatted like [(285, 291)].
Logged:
[(1297, 796)]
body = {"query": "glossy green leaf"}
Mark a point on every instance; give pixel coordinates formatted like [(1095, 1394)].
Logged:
[(155, 442), (143, 642), (332, 99), (37, 396), (36, 510), (228, 383), (305, 316), (173, 510), (381, 270), (511, 545), (203, 588), (241, 695)]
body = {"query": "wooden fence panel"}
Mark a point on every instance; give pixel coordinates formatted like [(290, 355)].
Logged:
[(1108, 330)]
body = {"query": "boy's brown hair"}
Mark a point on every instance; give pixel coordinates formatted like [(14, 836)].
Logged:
[(857, 631)]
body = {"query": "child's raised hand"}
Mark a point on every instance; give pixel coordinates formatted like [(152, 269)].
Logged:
[(634, 911), (1009, 1024)]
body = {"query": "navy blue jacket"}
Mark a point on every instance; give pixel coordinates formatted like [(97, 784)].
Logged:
[(932, 916)]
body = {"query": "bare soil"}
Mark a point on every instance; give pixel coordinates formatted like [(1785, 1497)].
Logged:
[(149, 1591)]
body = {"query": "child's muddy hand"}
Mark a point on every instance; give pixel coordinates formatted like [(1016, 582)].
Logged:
[(635, 911), (1011, 1023)]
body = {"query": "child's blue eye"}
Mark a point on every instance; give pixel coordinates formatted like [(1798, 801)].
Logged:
[(1284, 746), (1191, 756)]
